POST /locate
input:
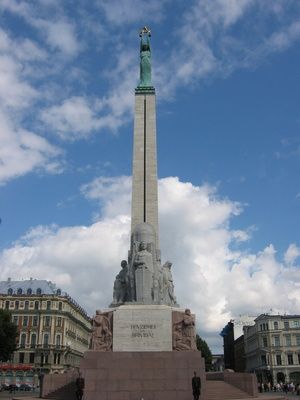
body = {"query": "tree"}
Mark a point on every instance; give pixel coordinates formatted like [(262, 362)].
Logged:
[(205, 351), (8, 335)]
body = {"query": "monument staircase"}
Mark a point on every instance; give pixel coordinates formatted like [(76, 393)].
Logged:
[(217, 390), (229, 385), (66, 392)]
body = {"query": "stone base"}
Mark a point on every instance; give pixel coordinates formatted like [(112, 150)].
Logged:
[(142, 328), (141, 375)]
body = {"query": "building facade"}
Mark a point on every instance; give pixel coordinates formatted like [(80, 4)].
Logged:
[(272, 348), (233, 344), (54, 331)]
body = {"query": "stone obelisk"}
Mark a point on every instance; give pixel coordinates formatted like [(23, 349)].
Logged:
[(144, 175), (144, 345)]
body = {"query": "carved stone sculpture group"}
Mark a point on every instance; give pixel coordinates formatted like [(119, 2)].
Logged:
[(143, 279)]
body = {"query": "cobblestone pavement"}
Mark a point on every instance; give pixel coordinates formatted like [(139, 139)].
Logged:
[(289, 396), (6, 395)]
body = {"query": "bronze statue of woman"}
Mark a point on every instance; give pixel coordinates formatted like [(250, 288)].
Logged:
[(145, 54)]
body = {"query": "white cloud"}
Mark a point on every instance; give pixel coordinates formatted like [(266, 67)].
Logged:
[(292, 253), (215, 281), (22, 151), (76, 117), (113, 195), (59, 33), (120, 12)]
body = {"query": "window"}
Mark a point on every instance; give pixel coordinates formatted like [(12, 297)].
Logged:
[(21, 358), (48, 305), (7, 305), (10, 291), (31, 358), (46, 359), (17, 303), (296, 324), (58, 340), (288, 340), (16, 320), (286, 325), (275, 325), (298, 358), (38, 291), (263, 359), (29, 291), (58, 358), (26, 305), (276, 340), (25, 320), (19, 291), (290, 359), (265, 341), (23, 340), (46, 339), (298, 340), (60, 306), (33, 340), (58, 322), (36, 305), (47, 321), (278, 359), (34, 320)]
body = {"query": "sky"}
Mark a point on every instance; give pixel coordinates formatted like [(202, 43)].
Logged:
[(227, 75)]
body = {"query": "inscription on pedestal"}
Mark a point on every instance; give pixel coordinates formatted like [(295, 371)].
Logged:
[(142, 328)]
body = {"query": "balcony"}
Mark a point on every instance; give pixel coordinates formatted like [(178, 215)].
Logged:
[(51, 347)]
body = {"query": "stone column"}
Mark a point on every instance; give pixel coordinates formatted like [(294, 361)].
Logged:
[(144, 174)]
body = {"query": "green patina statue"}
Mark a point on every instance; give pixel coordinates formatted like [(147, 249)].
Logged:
[(145, 54)]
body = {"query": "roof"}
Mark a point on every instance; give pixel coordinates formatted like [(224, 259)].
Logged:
[(37, 286), (268, 316)]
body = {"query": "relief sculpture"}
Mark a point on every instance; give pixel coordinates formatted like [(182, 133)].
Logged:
[(184, 335), (102, 332)]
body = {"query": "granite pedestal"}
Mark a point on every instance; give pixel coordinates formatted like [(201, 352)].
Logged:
[(141, 375), (142, 328)]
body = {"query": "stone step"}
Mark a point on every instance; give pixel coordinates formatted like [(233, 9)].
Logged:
[(220, 390), (67, 392)]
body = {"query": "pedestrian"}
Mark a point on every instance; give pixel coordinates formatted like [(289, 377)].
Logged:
[(79, 387), (196, 386)]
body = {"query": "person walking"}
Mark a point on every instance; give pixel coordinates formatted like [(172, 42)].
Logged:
[(196, 386)]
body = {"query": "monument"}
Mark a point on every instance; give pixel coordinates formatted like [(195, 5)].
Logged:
[(143, 345)]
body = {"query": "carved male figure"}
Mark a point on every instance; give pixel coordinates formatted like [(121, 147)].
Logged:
[(143, 258), (121, 285), (188, 331), (167, 284), (101, 335), (178, 341)]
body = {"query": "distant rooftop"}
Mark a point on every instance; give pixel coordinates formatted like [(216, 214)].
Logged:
[(29, 286), (36, 287), (278, 316)]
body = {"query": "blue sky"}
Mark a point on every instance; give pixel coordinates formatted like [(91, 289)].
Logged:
[(227, 79)]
